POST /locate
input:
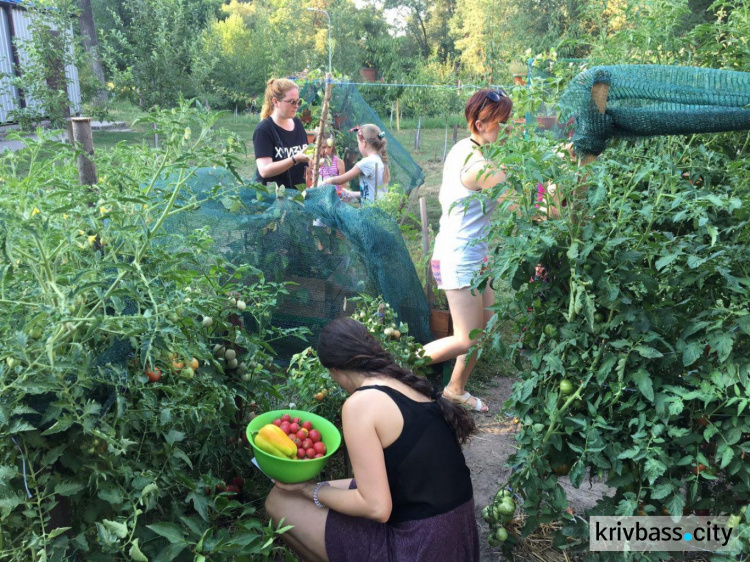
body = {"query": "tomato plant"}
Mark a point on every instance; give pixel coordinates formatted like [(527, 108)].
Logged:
[(97, 300), (645, 274)]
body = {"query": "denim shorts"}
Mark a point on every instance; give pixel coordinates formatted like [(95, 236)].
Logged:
[(450, 276)]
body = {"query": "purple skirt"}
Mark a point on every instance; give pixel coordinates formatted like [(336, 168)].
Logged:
[(449, 536)]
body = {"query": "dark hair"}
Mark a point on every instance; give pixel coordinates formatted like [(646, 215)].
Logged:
[(492, 110), (346, 344)]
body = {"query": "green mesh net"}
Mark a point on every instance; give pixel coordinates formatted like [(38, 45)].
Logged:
[(349, 109), (648, 100), (328, 249)]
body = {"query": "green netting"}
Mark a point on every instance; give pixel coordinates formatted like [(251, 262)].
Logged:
[(649, 100), (353, 251), (348, 109)]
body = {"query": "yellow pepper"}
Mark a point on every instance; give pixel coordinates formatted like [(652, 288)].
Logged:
[(272, 440)]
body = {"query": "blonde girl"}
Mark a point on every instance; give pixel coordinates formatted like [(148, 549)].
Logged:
[(372, 170), (280, 139)]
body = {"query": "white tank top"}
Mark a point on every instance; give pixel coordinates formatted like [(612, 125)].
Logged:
[(463, 230)]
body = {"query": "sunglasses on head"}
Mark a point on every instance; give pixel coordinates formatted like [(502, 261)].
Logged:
[(494, 96)]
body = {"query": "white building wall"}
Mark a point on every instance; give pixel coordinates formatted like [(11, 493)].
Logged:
[(8, 92)]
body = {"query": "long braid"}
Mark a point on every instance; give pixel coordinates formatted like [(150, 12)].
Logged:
[(346, 344)]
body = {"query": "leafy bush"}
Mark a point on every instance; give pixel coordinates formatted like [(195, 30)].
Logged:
[(637, 357), (118, 425)]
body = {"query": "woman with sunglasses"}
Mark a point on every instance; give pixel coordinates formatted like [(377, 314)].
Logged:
[(280, 138), (460, 246)]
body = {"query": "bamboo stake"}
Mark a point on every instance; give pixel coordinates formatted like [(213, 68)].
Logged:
[(321, 128)]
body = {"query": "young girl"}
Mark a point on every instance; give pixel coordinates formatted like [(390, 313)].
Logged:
[(411, 497), (330, 164), (372, 170)]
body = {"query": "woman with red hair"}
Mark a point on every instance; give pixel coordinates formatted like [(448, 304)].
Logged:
[(461, 247)]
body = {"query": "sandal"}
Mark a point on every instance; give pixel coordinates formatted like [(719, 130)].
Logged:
[(464, 400)]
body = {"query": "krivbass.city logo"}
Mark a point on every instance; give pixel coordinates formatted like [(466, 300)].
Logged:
[(665, 534)]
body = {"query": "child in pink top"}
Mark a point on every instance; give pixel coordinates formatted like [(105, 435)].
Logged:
[(330, 164)]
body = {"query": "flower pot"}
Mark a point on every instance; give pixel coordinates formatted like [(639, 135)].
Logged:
[(368, 74), (519, 79), (311, 136), (546, 122), (441, 323)]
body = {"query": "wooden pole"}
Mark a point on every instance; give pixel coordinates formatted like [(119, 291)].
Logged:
[(398, 117), (321, 128), (425, 252), (82, 134), (445, 143), (599, 93)]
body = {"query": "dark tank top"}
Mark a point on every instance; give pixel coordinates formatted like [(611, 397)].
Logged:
[(427, 472)]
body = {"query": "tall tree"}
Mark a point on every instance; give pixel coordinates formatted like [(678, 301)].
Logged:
[(91, 45)]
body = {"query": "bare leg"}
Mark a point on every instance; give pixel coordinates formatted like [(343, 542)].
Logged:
[(469, 312), (307, 538)]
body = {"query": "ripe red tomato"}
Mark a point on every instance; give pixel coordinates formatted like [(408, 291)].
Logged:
[(298, 441), (285, 426), (232, 489), (300, 453), (293, 427), (238, 481), (307, 443), (320, 448), (221, 487), (318, 456), (700, 468), (286, 418), (307, 425), (310, 453), (302, 433), (153, 375), (315, 435), (296, 420), (277, 421)]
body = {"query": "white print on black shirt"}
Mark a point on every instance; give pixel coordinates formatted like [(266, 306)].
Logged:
[(287, 152)]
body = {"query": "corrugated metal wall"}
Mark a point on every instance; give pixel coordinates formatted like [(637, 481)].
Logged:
[(22, 29), (8, 93)]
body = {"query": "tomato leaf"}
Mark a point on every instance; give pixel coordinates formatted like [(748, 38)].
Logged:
[(170, 531), (642, 379)]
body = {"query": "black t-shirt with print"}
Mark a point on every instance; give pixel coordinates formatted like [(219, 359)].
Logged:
[(271, 140)]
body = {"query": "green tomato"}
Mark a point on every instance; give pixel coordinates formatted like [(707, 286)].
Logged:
[(550, 330), (502, 534), (566, 387), (506, 507), (492, 540), (488, 514), (598, 317), (502, 493)]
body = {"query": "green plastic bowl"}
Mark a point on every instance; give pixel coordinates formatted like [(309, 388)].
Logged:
[(287, 470)]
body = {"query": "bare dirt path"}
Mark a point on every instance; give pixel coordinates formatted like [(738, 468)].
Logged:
[(487, 455)]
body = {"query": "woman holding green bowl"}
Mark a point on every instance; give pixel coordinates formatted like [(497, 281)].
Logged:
[(411, 496)]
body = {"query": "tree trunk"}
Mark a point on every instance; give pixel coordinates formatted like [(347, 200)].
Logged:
[(91, 44)]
